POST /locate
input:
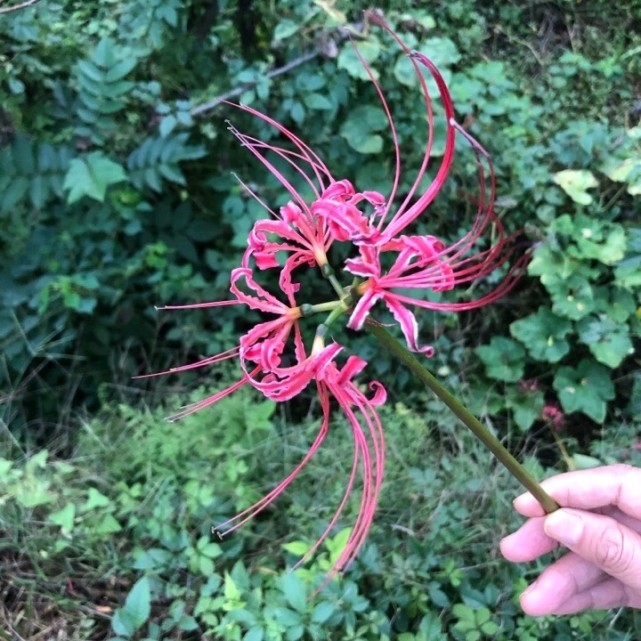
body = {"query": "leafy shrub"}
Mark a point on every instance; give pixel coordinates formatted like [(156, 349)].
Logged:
[(116, 193)]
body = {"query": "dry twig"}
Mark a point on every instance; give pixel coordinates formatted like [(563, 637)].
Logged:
[(16, 7)]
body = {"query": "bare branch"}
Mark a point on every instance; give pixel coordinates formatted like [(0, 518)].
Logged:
[(237, 91), (327, 45), (16, 7)]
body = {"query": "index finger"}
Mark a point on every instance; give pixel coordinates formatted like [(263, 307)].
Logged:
[(611, 485)]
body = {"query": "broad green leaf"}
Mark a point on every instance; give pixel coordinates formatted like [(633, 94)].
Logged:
[(430, 628), (89, 69), (210, 550), (358, 130), (286, 28), (575, 183), (283, 616), (441, 51), (337, 543), (120, 69), (584, 462), (151, 558), (526, 406), (608, 247), (572, 298), (616, 303), (543, 335), (585, 389), (34, 494), (317, 101), (90, 176), (608, 340), (95, 499), (167, 125), (296, 547), (626, 171), (295, 591), (104, 54), (64, 518), (553, 266), (254, 634), (205, 566), (231, 591), (323, 611), (349, 60), (138, 601), (107, 524), (503, 359), (135, 613)]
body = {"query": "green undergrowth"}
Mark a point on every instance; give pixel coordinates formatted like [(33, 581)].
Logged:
[(116, 541), (118, 189)]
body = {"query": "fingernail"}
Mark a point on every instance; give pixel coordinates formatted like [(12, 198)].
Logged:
[(564, 526), (520, 499)]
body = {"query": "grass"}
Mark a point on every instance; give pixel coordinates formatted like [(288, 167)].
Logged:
[(139, 486)]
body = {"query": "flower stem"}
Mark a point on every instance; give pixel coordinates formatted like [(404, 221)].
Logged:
[(490, 441), (328, 272), (308, 309)]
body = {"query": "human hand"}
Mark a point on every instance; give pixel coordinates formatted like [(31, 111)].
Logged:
[(602, 529)]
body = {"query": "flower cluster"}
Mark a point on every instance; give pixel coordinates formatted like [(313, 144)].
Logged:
[(387, 262)]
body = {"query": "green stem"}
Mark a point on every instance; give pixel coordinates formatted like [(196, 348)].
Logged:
[(335, 313), (330, 306), (328, 272), (491, 442)]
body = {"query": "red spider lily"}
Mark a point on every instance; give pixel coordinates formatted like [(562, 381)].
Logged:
[(333, 214), (272, 354), (421, 262), (426, 263), (369, 455), (262, 346), (259, 352)]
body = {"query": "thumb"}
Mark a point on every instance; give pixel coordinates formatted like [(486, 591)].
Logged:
[(602, 540)]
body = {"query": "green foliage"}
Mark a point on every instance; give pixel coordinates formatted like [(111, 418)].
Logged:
[(102, 90), (110, 152), (543, 333), (30, 171), (90, 176), (136, 610), (158, 159), (117, 194), (427, 571), (503, 359), (586, 389)]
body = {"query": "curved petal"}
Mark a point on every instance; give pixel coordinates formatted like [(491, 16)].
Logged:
[(409, 326)]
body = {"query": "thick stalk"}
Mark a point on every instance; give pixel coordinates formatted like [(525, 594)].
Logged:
[(491, 442)]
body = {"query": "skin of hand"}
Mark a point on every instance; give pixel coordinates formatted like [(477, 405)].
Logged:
[(600, 524)]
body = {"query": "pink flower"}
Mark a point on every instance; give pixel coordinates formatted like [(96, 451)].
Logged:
[(304, 231), (423, 263), (260, 349), (388, 261), (552, 414), (369, 455), (260, 353)]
